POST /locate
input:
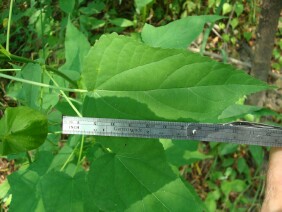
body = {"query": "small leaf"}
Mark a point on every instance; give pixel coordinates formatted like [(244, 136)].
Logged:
[(247, 35), (238, 111), (211, 3), (5, 22), (234, 23), (50, 100), (33, 73), (227, 148), (76, 47), (258, 154), (239, 8), (242, 165), (226, 37), (226, 8), (92, 8), (235, 186), (4, 51), (227, 162), (211, 200), (178, 34), (141, 3), (67, 5), (243, 168), (21, 129), (91, 22), (121, 22), (179, 152)]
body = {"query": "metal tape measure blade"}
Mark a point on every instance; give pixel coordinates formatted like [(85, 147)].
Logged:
[(236, 133)]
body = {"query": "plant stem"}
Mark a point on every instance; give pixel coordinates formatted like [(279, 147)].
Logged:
[(43, 68), (41, 84), (80, 152), (208, 31), (80, 115), (42, 33), (69, 158), (29, 158), (231, 60), (14, 58), (9, 26), (9, 69), (64, 95)]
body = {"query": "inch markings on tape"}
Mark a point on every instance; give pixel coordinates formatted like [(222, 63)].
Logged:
[(236, 132)]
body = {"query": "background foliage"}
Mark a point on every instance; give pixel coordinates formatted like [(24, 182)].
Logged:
[(52, 39)]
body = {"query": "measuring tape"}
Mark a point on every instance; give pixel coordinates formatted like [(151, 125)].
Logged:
[(235, 132)]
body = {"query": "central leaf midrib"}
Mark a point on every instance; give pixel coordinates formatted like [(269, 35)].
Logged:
[(135, 68), (162, 89)]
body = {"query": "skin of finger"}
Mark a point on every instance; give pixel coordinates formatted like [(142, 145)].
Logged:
[(273, 194)]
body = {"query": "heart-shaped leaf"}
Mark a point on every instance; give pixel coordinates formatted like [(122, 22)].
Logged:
[(21, 129), (128, 79), (135, 176)]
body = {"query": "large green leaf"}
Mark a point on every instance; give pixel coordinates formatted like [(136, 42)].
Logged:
[(25, 187), (21, 129), (62, 192), (31, 93), (177, 34), (128, 79), (41, 187), (135, 176), (76, 46), (31, 72)]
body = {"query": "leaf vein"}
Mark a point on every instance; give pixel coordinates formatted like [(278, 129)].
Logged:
[(142, 183)]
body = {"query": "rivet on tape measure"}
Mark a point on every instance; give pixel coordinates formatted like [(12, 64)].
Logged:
[(235, 132)]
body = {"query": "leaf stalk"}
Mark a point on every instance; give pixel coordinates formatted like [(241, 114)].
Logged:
[(9, 26), (14, 58)]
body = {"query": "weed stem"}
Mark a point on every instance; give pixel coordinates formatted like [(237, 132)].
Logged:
[(29, 158), (64, 95), (42, 84), (15, 58), (80, 152), (9, 26), (69, 158)]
